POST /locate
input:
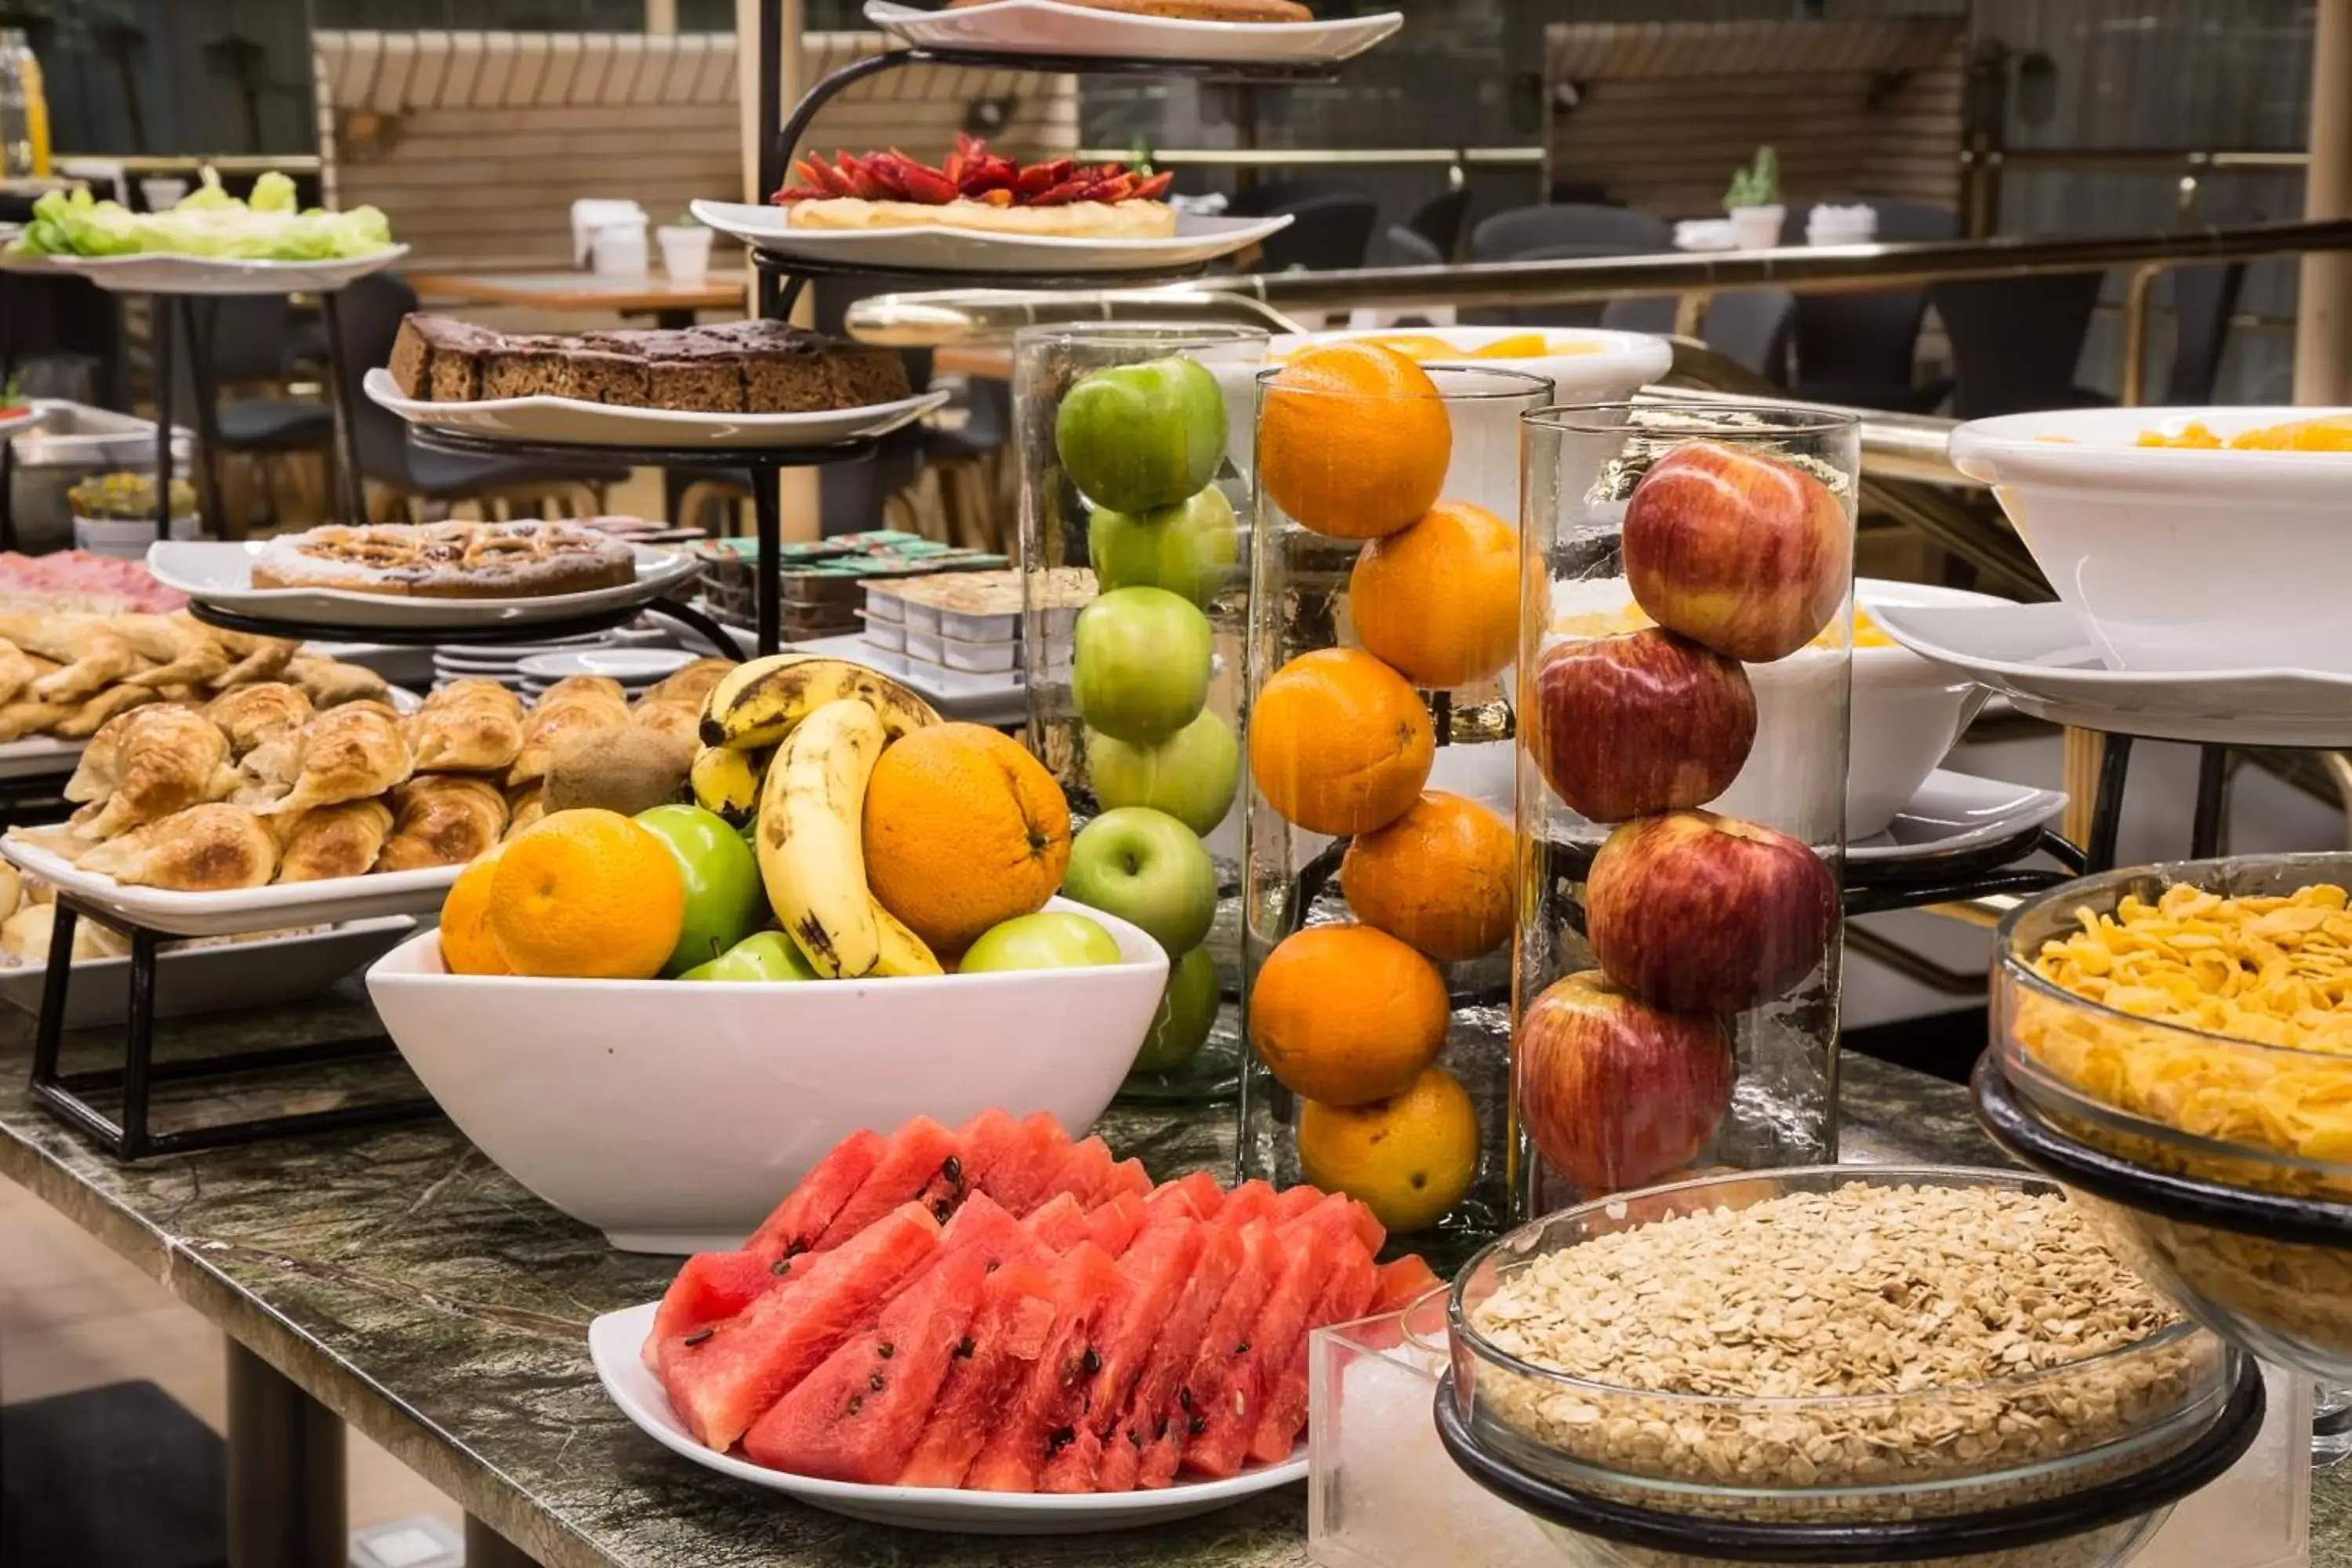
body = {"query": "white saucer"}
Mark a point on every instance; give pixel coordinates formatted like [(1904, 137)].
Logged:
[(615, 1339), (1953, 814), (2037, 657), (634, 667)]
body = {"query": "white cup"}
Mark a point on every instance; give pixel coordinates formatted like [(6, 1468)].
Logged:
[(685, 251), (618, 250), (162, 194)]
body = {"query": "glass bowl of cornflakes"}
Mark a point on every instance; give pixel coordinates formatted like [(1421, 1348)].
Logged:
[(2174, 1043)]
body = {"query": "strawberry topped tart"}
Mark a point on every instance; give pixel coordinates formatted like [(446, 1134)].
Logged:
[(977, 189)]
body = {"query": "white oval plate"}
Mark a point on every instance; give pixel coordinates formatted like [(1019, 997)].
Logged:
[(1955, 813), (1045, 27), (615, 1339), (162, 272), (221, 572), (937, 247), (571, 422)]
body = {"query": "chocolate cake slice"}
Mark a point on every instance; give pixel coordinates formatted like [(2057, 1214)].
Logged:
[(864, 376), (438, 360), (529, 366), (593, 375), (689, 370)]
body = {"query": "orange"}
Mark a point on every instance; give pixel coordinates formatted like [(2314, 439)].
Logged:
[(586, 894), (1339, 744), (1440, 601), (1345, 1014), (1408, 1158), (466, 945), (963, 829), (1353, 440), (1438, 877)]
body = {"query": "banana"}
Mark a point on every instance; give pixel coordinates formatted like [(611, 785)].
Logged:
[(728, 782), (811, 851), (759, 702)]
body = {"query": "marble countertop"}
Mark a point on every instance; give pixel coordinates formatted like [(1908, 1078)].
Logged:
[(427, 1300)]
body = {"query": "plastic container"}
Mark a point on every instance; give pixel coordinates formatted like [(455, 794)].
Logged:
[(1381, 778), (1681, 794), (1133, 552), (954, 653), (127, 538), (685, 251)]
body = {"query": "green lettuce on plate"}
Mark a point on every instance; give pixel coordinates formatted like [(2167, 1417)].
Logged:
[(208, 222)]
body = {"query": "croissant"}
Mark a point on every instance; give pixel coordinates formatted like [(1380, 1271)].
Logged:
[(443, 819), (690, 683), (17, 670), (526, 806), (250, 715), (24, 936), (468, 726), (205, 849), (185, 653), (89, 716), (339, 840), (90, 655), (576, 703), (102, 762), (31, 716), (681, 722), (345, 753), (257, 659), (165, 761), (329, 683)]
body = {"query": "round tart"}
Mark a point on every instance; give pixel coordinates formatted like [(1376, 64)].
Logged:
[(525, 560)]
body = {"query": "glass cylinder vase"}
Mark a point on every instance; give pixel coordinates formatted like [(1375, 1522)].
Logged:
[(1135, 600), (1686, 659), (1378, 892)]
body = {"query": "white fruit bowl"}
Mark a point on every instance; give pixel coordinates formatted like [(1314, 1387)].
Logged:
[(674, 1115), (2176, 559)]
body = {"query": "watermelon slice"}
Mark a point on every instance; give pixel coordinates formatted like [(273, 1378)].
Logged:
[(1249, 1201), (806, 1212), (1059, 1225), (1231, 1408), (1128, 1176), (1113, 1227), (1174, 1423), (1346, 1294), (711, 1287), (1010, 1328), (983, 1141), (721, 1378), (1042, 1416), (922, 1164), (856, 1417), (1154, 1272), (1293, 1201), (1083, 1170), (1195, 1196), (1403, 1282), (1139, 1420), (1021, 1176)]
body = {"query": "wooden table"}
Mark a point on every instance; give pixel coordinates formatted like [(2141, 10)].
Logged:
[(671, 304)]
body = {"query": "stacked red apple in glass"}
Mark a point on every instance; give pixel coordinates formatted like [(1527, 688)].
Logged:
[(1625, 1072)]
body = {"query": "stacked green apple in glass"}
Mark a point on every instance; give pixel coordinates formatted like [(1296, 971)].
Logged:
[(1125, 469)]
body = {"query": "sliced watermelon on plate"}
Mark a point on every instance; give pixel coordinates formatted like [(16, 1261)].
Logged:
[(1113, 1227), (1059, 1224), (922, 1164), (710, 1288), (723, 1377), (1127, 1177), (856, 1417), (1195, 1196), (1042, 1416), (1346, 1293), (1231, 1408), (1173, 1426), (1010, 1328), (983, 1141), (1249, 1201), (1154, 1271), (1141, 1420), (1083, 1170), (811, 1206), (1021, 1176)]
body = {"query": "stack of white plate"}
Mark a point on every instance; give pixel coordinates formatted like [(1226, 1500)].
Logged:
[(502, 662), (636, 668)]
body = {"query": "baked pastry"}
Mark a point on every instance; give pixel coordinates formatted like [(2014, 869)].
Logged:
[(575, 703), (331, 683), (89, 716), (17, 670), (162, 760), (182, 652), (977, 189), (524, 806), (253, 715), (689, 683), (257, 658), (339, 841), (443, 819), (24, 936), (529, 558), (90, 653), (205, 849), (468, 726), (679, 723), (345, 753)]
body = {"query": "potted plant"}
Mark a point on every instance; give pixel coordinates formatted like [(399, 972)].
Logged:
[(1753, 202), (685, 250), (114, 514)]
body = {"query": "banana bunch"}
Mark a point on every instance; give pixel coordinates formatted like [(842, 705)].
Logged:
[(810, 846), (751, 711), (792, 740)]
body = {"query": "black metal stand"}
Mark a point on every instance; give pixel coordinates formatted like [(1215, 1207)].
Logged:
[(131, 1134), (434, 636)]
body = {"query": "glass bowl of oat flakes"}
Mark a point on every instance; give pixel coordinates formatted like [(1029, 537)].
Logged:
[(1835, 1364)]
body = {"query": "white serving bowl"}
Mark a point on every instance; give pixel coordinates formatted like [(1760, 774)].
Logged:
[(2175, 559), (673, 1116)]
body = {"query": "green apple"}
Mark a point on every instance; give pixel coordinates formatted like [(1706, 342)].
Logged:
[(764, 955), (1189, 548), (1139, 664), (1148, 868), (1136, 436), (1051, 939), (1191, 775), (725, 899), (1187, 1009)]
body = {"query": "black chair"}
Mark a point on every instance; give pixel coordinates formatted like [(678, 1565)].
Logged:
[(1405, 247), (1284, 196), (1584, 314), (2203, 299), (851, 495), (1568, 229), (1326, 234), (1439, 220), (1648, 314), (2015, 342), (370, 310), (250, 339), (1752, 327), (1859, 349)]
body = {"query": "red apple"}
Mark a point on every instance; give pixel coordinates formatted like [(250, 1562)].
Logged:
[(1627, 726), (1616, 1092), (1747, 555), (1708, 914)]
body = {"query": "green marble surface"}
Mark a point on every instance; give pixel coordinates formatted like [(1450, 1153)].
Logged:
[(434, 1304)]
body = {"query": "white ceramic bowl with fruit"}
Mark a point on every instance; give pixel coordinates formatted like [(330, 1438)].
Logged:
[(670, 1115), (2181, 557)]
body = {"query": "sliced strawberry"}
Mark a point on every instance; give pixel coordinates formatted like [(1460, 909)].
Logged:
[(1039, 178), (1061, 195), (1116, 188), (1153, 189), (928, 186)]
